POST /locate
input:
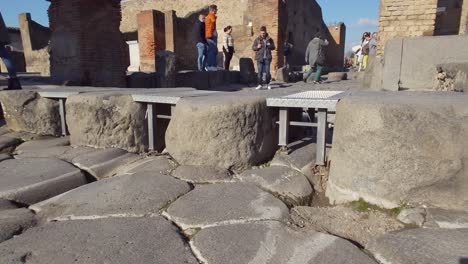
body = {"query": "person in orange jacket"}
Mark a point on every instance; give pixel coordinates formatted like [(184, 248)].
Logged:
[(211, 38)]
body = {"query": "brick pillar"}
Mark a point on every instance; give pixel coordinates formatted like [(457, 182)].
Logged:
[(335, 51), (151, 38), (464, 19), (87, 45)]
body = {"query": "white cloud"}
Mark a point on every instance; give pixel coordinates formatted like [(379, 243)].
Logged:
[(365, 22)]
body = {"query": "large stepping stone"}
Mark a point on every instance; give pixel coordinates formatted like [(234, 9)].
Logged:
[(14, 221), (225, 203), (273, 243), (394, 147), (227, 131), (291, 186), (26, 111), (202, 174), (422, 246), (104, 163), (346, 222), (29, 181), (111, 240), (133, 195)]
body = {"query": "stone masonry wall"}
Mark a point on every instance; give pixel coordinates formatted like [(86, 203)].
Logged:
[(406, 18), (464, 19)]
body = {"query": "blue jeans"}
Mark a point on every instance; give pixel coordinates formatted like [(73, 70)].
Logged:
[(212, 53), (263, 66), (10, 65), (201, 61)]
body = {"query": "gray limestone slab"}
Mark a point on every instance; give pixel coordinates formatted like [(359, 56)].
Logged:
[(202, 174), (139, 194), (6, 205), (111, 240), (158, 164), (225, 203), (412, 216), (4, 157), (29, 181), (451, 219), (421, 246), (104, 163), (301, 154), (8, 143), (345, 222), (52, 152), (43, 143), (3, 129), (14, 221), (291, 186), (272, 242)]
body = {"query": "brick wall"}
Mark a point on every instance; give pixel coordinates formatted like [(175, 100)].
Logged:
[(87, 45), (406, 18), (335, 50), (230, 12)]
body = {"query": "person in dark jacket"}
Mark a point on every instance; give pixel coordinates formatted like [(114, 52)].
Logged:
[(263, 45), (315, 57), (13, 82), (201, 42)]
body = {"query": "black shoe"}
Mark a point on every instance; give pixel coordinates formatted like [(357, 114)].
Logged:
[(13, 84)]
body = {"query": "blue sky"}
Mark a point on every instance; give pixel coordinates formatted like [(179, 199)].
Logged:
[(358, 15)]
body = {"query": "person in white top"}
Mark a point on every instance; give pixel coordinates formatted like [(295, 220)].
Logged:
[(228, 47), (364, 51)]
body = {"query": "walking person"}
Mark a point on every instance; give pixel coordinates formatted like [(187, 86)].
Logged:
[(211, 38), (263, 45), (13, 82), (287, 52), (364, 51), (228, 47), (201, 42), (315, 57)]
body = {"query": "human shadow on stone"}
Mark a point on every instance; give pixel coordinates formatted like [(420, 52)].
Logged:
[(463, 260)]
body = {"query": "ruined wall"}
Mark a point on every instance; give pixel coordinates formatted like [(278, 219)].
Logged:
[(229, 12), (35, 41), (87, 45), (15, 38), (406, 19), (464, 18)]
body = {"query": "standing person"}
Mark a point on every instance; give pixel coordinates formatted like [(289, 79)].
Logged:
[(263, 45), (201, 42), (315, 57), (212, 38), (364, 51), (228, 47), (287, 52), (373, 43), (13, 82)]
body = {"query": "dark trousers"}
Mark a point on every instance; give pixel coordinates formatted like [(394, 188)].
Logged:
[(264, 66), (227, 57)]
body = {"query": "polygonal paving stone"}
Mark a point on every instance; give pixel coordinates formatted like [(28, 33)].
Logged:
[(110, 240), (14, 221), (225, 203), (126, 195), (4, 157), (421, 246), (159, 164), (29, 181), (202, 174), (104, 163), (49, 147), (273, 242), (290, 185), (8, 143)]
